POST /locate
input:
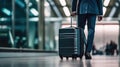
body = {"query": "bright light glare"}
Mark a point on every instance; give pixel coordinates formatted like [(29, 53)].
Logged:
[(62, 2), (106, 2), (104, 10), (6, 11), (46, 4), (30, 4), (34, 11), (37, 0), (117, 4), (112, 11), (66, 11)]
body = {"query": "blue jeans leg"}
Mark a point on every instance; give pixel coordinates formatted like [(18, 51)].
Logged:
[(91, 18), (91, 21)]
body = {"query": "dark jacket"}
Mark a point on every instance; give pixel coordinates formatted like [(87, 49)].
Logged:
[(88, 6)]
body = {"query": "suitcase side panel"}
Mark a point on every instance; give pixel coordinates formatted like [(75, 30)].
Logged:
[(69, 42), (66, 42)]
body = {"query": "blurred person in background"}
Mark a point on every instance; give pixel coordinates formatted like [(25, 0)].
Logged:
[(111, 48)]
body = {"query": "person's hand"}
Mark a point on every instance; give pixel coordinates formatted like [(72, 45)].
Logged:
[(100, 18), (73, 13)]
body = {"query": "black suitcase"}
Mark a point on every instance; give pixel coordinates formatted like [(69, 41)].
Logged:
[(71, 42)]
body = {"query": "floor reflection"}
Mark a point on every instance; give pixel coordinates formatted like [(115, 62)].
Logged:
[(88, 63), (56, 62), (71, 63)]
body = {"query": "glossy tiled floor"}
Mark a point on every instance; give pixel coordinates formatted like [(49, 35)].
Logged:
[(54, 61)]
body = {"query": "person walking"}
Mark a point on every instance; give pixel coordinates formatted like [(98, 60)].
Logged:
[(87, 10)]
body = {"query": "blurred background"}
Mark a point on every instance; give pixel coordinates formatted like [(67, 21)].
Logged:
[(34, 25)]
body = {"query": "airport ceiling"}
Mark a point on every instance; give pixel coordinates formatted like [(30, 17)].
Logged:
[(111, 10), (111, 7)]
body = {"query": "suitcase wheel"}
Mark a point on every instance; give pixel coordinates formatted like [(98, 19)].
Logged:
[(74, 57), (61, 57), (67, 58), (81, 56)]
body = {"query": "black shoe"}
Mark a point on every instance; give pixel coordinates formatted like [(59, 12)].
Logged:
[(81, 57), (88, 56)]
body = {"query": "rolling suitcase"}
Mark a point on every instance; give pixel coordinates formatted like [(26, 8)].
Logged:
[(71, 42)]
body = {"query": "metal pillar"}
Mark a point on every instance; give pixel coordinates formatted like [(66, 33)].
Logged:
[(13, 22), (27, 22), (41, 25), (119, 38), (51, 36)]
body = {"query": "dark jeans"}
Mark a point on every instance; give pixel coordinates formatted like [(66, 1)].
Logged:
[(91, 21)]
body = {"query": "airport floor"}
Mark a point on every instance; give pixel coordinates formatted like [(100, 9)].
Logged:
[(55, 61)]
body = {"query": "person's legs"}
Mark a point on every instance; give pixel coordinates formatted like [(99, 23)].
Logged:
[(91, 29), (91, 18), (81, 20), (81, 24)]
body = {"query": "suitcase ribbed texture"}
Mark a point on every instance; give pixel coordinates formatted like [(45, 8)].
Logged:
[(70, 42)]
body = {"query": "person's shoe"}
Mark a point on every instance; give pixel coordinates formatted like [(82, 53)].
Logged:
[(81, 57), (88, 56)]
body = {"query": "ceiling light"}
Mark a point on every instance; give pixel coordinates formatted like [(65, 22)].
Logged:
[(30, 4), (46, 4), (34, 11), (112, 12), (117, 4), (62, 2), (66, 11), (106, 2), (37, 0), (6, 11), (52, 3), (104, 10), (20, 3)]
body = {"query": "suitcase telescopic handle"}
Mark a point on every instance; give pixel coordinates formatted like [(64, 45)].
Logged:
[(71, 21)]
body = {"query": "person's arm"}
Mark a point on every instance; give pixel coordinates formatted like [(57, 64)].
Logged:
[(74, 7), (100, 8)]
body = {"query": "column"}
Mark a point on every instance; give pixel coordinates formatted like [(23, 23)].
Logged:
[(13, 23), (27, 22), (119, 38), (41, 25)]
